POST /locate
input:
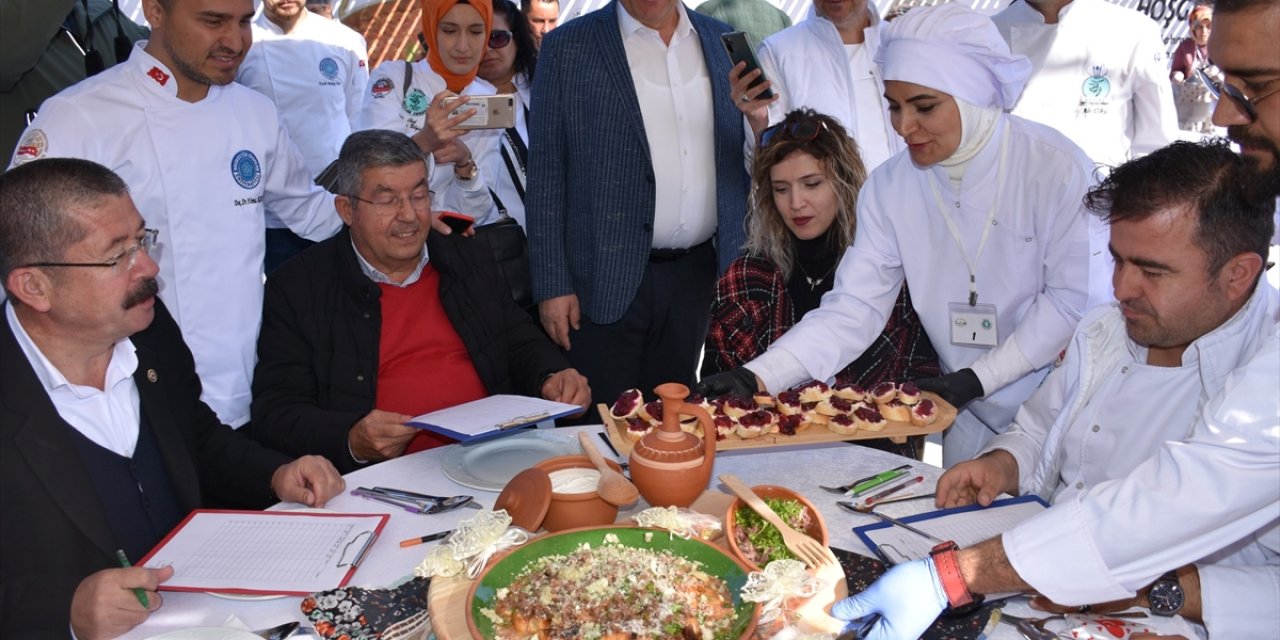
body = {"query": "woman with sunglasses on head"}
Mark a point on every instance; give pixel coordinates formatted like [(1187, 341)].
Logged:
[(806, 174), (982, 215), (410, 98)]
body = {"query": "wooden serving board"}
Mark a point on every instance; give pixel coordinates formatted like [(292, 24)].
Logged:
[(447, 600), (896, 431)]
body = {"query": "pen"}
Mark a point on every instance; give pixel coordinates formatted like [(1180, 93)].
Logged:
[(137, 591), (891, 490), (877, 480), (427, 538)]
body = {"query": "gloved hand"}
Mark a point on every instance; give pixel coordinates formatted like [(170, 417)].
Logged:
[(736, 382), (957, 388), (908, 599)]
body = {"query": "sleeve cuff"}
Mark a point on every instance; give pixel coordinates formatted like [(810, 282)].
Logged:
[(1054, 553), (1001, 366), (779, 370), (1240, 601)]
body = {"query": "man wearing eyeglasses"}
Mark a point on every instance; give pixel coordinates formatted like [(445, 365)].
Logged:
[(105, 444), (386, 321), (205, 158), (1244, 45), (313, 73)]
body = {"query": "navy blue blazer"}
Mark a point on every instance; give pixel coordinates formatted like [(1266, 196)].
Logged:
[(591, 193)]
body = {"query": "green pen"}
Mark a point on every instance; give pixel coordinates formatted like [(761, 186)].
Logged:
[(873, 482), (137, 591)]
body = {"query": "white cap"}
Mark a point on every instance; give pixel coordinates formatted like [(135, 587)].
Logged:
[(954, 49)]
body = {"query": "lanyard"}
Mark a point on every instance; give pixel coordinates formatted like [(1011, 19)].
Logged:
[(986, 227)]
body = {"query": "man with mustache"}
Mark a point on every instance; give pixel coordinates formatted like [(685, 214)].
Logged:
[(105, 444), (205, 159)]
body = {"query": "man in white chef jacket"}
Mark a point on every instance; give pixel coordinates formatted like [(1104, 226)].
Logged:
[(315, 75), (825, 63), (1101, 78), (203, 158)]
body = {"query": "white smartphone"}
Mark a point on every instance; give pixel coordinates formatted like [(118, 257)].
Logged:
[(492, 112)]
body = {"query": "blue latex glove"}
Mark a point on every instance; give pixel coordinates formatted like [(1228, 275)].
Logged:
[(908, 599)]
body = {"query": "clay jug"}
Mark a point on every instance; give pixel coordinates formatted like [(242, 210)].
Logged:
[(671, 467)]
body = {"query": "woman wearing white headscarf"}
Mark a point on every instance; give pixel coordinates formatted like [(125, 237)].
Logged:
[(982, 215)]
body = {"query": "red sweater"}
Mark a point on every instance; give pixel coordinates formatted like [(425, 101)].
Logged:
[(422, 364)]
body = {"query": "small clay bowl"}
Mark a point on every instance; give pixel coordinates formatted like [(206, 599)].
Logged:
[(817, 528), (573, 510)]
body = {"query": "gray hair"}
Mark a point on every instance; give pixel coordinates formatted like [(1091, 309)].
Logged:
[(35, 200), (369, 150)]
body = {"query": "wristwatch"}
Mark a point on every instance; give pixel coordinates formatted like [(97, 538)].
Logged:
[(944, 561), (471, 162), (1166, 596)]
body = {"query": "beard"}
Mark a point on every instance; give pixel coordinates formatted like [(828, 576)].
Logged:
[(1264, 181), (146, 290), (193, 72)]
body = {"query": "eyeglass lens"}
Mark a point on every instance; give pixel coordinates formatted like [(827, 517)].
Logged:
[(1218, 88), (799, 131), (499, 38)]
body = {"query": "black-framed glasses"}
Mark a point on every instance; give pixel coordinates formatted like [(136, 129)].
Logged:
[(802, 130), (499, 38), (419, 200), (128, 257), (1218, 88)]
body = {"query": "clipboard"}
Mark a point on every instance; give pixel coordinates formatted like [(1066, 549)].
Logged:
[(966, 525), (492, 416), (265, 552)]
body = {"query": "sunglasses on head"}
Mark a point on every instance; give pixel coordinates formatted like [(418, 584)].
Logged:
[(802, 130), (499, 38)]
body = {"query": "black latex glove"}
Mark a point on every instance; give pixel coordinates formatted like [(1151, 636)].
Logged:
[(734, 382), (956, 388)]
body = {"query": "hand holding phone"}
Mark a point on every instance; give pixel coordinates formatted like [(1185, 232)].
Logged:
[(491, 112), (739, 50), (457, 222)]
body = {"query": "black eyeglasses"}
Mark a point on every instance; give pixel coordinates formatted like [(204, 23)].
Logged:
[(419, 200), (1218, 88), (499, 38), (128, 257), (802, 130)]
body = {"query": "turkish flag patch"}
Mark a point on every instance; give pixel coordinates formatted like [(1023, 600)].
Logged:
[(159, 76)]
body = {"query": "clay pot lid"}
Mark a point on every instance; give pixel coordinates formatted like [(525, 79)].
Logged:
[(526, 498)]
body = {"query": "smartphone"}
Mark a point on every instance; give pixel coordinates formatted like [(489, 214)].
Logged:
[(457, 221), (739, 50), (492, 112)]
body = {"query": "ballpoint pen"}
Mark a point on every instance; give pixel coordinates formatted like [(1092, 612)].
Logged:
[(892, 490), (887, 476), (427, 538), (137, 591)]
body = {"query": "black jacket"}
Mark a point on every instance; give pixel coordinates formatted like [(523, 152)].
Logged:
[(53, 528), (317, 372)]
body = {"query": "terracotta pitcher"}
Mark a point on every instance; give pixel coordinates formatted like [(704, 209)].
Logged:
[(671, 467)]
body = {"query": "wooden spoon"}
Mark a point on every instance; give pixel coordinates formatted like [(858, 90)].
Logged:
[(613, 487)]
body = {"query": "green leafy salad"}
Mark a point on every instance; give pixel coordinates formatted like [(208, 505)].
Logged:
[(761, 542)]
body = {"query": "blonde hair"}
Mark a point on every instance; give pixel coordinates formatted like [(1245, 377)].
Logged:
[(767, 236)]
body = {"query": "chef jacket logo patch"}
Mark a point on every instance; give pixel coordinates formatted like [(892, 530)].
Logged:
[(1097, 85), (31, 147), (245, 169), (415, 102), (329, 69), (381, 87), (159, 76)]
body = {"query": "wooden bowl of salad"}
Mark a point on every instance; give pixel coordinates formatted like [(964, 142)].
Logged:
[(756, 542)]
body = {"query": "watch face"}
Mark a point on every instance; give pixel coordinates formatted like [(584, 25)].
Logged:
[(1166, 597)]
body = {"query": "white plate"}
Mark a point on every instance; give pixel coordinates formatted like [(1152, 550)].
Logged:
[(490, 465), (206, 633)]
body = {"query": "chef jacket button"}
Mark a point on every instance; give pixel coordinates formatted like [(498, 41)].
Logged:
[(366, 315), (1079, 485), (359, 377), (1028, 239), (1096, 428), (1124, 369)]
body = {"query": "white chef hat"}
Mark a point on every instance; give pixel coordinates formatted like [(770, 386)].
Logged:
[(952, 48)]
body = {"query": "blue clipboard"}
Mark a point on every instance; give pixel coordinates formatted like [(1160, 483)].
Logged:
[(867, 532)]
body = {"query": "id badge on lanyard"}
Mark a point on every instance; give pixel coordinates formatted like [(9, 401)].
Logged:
[(973, 326)]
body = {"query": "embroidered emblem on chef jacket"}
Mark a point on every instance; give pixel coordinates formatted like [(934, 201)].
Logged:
[(329, 69), (381, 87), (245, 169), (415, 102), (159, 76), (1097, 85), (31, 147)]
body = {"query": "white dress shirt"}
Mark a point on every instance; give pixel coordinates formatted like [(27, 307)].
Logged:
[(109, 416), (674, 90)]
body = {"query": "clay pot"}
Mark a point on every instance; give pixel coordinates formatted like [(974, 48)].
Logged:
[(817, 528), (669, 466), (572, 510)]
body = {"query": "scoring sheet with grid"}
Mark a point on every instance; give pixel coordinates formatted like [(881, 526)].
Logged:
[(255, 552), (966, 525)]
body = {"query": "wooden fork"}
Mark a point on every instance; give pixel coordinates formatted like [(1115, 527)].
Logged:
[(808, 550)]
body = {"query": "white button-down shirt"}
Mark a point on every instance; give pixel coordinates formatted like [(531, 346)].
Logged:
[(674, 90), (107, 416)]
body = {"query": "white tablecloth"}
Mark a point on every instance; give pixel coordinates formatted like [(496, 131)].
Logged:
[(800, 468)]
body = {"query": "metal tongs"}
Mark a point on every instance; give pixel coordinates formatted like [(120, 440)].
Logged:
[(420, 503)]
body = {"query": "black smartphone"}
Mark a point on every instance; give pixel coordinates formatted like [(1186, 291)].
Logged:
[(457, 221), (739, 50)]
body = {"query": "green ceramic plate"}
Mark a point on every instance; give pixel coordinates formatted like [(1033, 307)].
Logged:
[(713, 560)]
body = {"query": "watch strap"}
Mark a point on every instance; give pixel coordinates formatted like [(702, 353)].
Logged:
[(948, 568), (1170, 582)]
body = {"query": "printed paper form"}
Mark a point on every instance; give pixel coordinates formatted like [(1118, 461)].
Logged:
[(967, 526), (264, 552), (493, 413)]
